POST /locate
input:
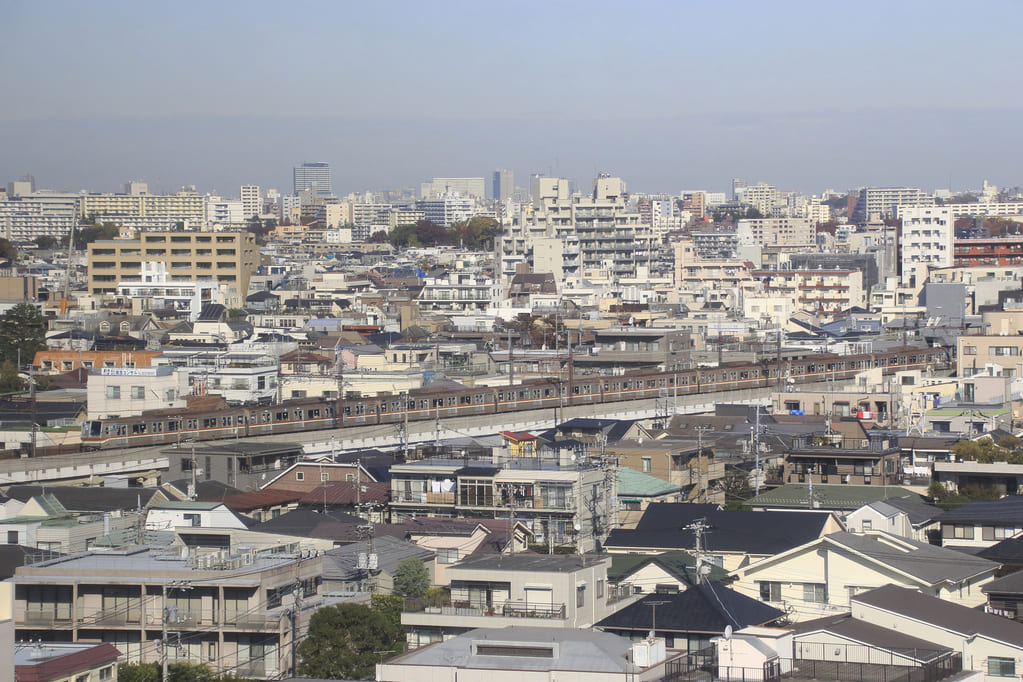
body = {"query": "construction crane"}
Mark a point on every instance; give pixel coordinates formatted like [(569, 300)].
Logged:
[(66, 294)]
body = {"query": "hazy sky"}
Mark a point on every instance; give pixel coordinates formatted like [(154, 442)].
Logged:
[(668, 95)]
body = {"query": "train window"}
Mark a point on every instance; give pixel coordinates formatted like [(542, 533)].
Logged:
[(500, 395), (240, 420), (451, 401), (536, 393), (424, 403), (479, 398), (314, 413), (383, 406), (173, 425), (225, 421), (360, 408), (575, 390), (281, 416), (743, 375), (606, 386), (731, 375), (298, 413), (465, 399), (138, 428), (329, 410), (157, 427), (208, 422), (192, 424)]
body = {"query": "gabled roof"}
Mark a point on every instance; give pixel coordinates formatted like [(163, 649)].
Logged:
[(945, 615), (662, 526), (916, 510), (1009, 584), (632, 483), (311, 524), (346, 493), (927, 563), (518, 436), (838, 497), (680, 564), (706, 608), (1005, 552), (81, 499), (340, 563), (259, 499), (55, 664), (868, 634)]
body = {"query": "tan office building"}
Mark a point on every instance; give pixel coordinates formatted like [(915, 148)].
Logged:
[(228, 257)]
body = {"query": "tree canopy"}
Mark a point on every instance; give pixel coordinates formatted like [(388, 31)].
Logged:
[(411, 579), (7, 250), (21, 328), (93, 233), (474, 233), (346, 641), (176, 672), (47, 242)]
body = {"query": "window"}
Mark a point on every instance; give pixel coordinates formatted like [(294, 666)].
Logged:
[(192, 520), (867, 525), (647, 464), (600, 589), (447, 555), (580, 596), (969, 350), (12, 537), (113, 392), (106, 673), (770, 591), (962, 532), (324, 476), (299, 475), (815, 593), (1001, 667), (138, 392)]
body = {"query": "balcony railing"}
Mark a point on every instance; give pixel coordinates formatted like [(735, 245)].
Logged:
[(506, 609)]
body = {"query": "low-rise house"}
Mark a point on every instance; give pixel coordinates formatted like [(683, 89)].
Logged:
[(820, 578), (840, 499), (530, 654), (338, 528), (262, 505), (982, 524), (231, 612), (1004, 478), (244, 465), (907, 517), (64, 661), (542, 590), (667, 573), (847, 454), (369, 566), (732, 538), (1005, 596), (168, 516), (688, 621)]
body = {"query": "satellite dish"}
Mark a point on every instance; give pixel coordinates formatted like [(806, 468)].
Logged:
[(577, 526), (728, 632), (704, 569)]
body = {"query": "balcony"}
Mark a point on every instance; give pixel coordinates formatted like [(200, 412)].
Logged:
[(45, 619), (248, 621), (467, 609)]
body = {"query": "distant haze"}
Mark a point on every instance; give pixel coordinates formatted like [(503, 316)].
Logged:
[(669, 96)]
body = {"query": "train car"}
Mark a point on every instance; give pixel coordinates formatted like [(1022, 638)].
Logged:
[(211, 418)]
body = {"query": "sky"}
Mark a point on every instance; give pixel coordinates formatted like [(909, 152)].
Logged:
[(669, 95)]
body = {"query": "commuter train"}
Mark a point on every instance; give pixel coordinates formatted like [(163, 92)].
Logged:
[(210, 418)]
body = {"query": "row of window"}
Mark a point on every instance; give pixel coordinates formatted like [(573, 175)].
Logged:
[(814, 593)]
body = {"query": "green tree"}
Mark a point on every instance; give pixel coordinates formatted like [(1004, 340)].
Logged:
[(7, 250), (47, 242), (346, 642), (21, 328), (95, 232), (476, 232), (10, 382), (411, 579), (138, 672)]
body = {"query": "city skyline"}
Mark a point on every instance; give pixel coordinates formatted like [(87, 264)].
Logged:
[(669, 96)]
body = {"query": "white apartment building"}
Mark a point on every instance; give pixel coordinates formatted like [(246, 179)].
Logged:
[(986, 208), (815, 291), (777, 232), (220, 211), (127, 392), (462, 292), (883, 202), (926, 238), (446, 208), (184, 205), (760, 196), (252, 201), (156, 291), (24, 218)]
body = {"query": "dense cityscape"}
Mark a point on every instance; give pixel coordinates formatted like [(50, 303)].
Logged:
[(545, 342)]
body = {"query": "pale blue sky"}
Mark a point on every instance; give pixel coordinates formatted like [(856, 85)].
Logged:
[(669, 95)]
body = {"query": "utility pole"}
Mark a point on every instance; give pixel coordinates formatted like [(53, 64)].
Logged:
[(756, 451), (511, 371), (163, 633), (192, 494), (699, 527), (653, 616)]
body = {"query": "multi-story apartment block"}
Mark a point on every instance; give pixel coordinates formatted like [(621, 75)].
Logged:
[(315, 176), (999, 251), (791, 232), (184, 205), (252, 201), (761, 196), (458, 292), (446, 208), (815, 291), (925, 238), (715, 244), (236, 613), (695, 203), (997, 355), (986, 208), (127, 392), (24, 218), (709, 280), (220, 211), (883, 202), (228, 257), (155, 291), (562, 501), (474, 188)]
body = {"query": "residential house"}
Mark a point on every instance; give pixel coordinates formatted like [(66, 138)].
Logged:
[(907, 517), (244, 465), (169, 516), (536, 590), (1004, 478), (819, 578), (840, 499), (845, 453), (982, 524), (370, 565), (690, 620), (732, 538), (666, 573), (64, 661), (261, 505)]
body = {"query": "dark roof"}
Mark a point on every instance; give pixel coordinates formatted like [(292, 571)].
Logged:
[(662, 527), (561, 563), (943, 614), (346, 493), (926, 562), (1005, 552), (1007, 510), (705, 608), (205, 491), (918, 512), (259, 499), (340, 563), (312, 524), (846, 626), (79, 499), (680, 564), (1009, 584), (13, 556), (212, 312)]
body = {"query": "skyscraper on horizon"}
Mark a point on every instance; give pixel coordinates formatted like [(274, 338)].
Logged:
[(503, 185), (316, 175)]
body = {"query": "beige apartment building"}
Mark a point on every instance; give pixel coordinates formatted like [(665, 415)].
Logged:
[(229, 257), (995, 355), (185, 204)]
